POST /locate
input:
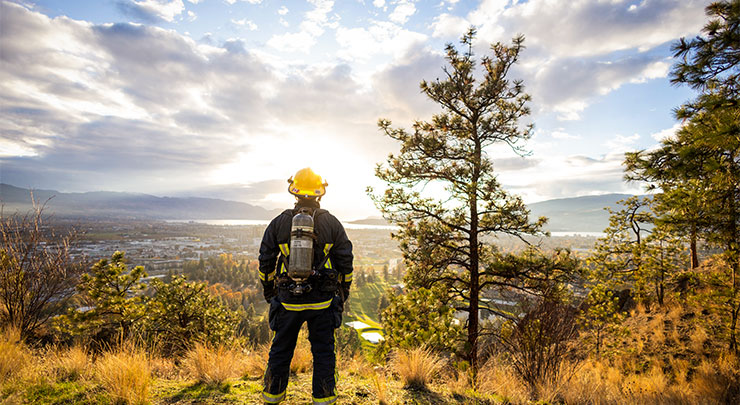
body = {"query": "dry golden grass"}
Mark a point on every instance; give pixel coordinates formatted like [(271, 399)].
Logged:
[(674, 313), (125, 374), (213, 366), (163, 368), (697, 337), (255, 360), (593, 383), (380, 387), (69, 364), (657, 328), (302, 357), (416, 367), (16, 360), (680, 368), (718, 382), (459, 382), (499, 378), (354, 365), (647, 387)]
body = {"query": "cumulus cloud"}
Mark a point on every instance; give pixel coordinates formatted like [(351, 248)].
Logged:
[(153, 10), (402, 12), (313, 25), (245, 1), (587, 28), (668, 133), (380, 37), (576, 49), (567, 176), (248, 24), (568, 85), (283, 10), (621, 143), (133, 107), (449, 26), (397, 86)]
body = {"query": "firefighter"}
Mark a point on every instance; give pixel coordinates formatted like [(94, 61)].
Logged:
[(298, 292)]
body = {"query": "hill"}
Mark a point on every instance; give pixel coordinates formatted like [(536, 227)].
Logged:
[(582, 214), (129, 205), (576, 214)]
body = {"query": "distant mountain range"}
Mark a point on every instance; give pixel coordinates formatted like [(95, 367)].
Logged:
[(117, 205), (584, 214), (575, 214)]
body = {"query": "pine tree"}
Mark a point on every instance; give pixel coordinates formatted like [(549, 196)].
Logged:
[(699, 170), (442, 236)]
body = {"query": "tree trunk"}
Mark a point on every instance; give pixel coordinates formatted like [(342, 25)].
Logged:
[(694, 256), (732, 251), (474, 258)]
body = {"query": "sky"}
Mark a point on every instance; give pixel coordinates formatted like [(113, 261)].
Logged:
[(229, 98)]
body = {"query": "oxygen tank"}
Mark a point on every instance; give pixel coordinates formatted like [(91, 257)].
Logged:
[(301, 246)]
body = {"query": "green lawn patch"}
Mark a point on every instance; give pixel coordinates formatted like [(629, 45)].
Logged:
[(68, 392)]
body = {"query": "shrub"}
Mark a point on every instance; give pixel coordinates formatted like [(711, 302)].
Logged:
[(416, 367), (37, 273), (182, 312), (112, 293), (420, 317), (540, 342), (125, 375)]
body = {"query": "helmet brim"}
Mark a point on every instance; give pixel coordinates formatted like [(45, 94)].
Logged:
[(307, 192)]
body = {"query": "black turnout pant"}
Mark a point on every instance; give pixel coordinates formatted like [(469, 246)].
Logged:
[(286, 324)]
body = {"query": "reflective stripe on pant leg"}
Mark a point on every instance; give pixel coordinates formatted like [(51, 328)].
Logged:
[(325, 401), (273, 399)]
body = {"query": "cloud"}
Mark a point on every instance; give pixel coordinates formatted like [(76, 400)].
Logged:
[(252, 193), (379, 3), (404, 9), (567, 176), (622, 143), (449, 26), (245, 23), (578, 50), (139, 108), (568, 85), (380, 37), (668, 133), (283, 10), (397, 85), (586, 28), (312, 27), (244, 1), (153, 10)]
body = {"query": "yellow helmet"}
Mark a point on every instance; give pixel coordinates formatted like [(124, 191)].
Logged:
[(307, 184)]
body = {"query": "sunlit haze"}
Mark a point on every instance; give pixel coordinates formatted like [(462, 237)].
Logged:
[(228, 98)]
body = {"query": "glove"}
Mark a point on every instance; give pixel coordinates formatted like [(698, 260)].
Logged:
[(269, 293), (345, 293)]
